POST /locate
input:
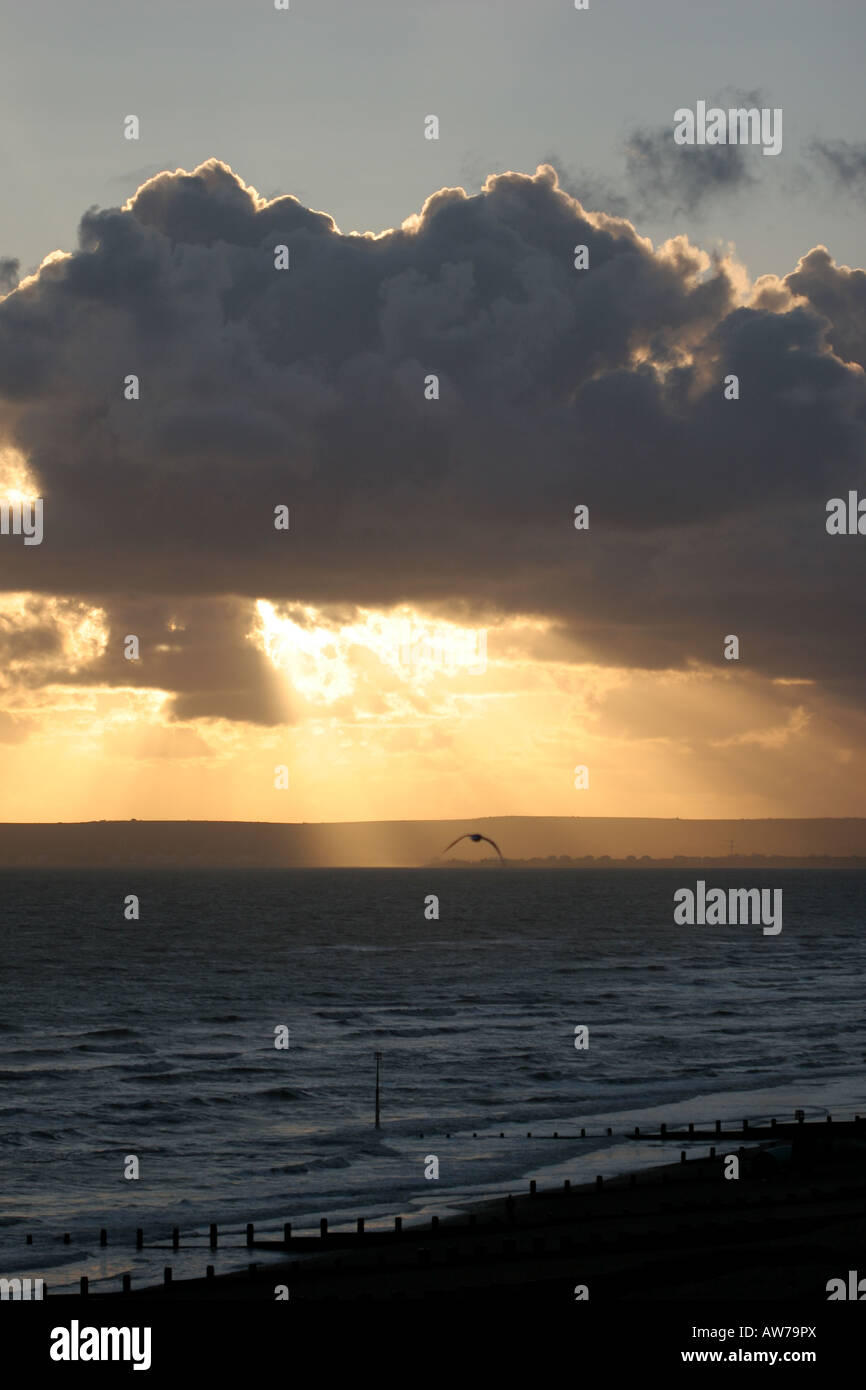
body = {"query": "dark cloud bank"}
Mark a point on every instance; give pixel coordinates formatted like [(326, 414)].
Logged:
[(558, 386)]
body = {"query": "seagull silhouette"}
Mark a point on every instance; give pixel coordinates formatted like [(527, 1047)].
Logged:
[(475, 838)]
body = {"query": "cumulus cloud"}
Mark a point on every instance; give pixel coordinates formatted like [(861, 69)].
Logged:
[(593, 189), (558, 386), (9, 268), (839, 295)]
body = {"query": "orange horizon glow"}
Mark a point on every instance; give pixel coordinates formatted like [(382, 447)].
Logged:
[(394, 715)]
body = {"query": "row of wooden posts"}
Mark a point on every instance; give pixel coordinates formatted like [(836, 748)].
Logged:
[(510, 1208), (799, 1118), (398, 1220), (747, 1127)]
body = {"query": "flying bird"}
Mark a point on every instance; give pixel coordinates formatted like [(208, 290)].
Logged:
[(475, 838)]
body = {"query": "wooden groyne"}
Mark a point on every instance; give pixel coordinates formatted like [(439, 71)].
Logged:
[(772, 1130), (590, 1201)]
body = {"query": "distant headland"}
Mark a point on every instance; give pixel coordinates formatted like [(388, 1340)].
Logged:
[(596, 842)]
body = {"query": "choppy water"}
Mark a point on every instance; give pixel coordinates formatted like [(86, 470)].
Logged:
[(156, 1038)]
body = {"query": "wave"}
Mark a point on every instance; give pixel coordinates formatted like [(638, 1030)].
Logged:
[(31, 1073), (110, 1033), (280, 1093)]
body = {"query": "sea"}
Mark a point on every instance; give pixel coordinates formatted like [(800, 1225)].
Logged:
[(154, 1039)]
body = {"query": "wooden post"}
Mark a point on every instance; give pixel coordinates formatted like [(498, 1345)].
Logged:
[(84, 1284), (175, 1238), (166, 1275), (103, 1236), (139, 1238), (398, 1224), (209, 1272), (359, 1225), (127, 1283), (287, 1232), (251, 1233), (323, 1227), (214, 1236)]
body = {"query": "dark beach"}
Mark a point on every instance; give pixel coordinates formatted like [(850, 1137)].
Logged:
[(683, 1231)]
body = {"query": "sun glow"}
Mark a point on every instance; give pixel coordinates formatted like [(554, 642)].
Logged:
[(327, 660), (16, 481)]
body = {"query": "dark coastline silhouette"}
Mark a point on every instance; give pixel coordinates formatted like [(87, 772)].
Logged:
[(603, 841)]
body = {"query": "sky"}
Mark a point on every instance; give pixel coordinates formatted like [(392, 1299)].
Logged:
[(425, 632)]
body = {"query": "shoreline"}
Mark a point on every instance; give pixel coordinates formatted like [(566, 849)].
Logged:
[(624, 1151), (782, 1229)]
